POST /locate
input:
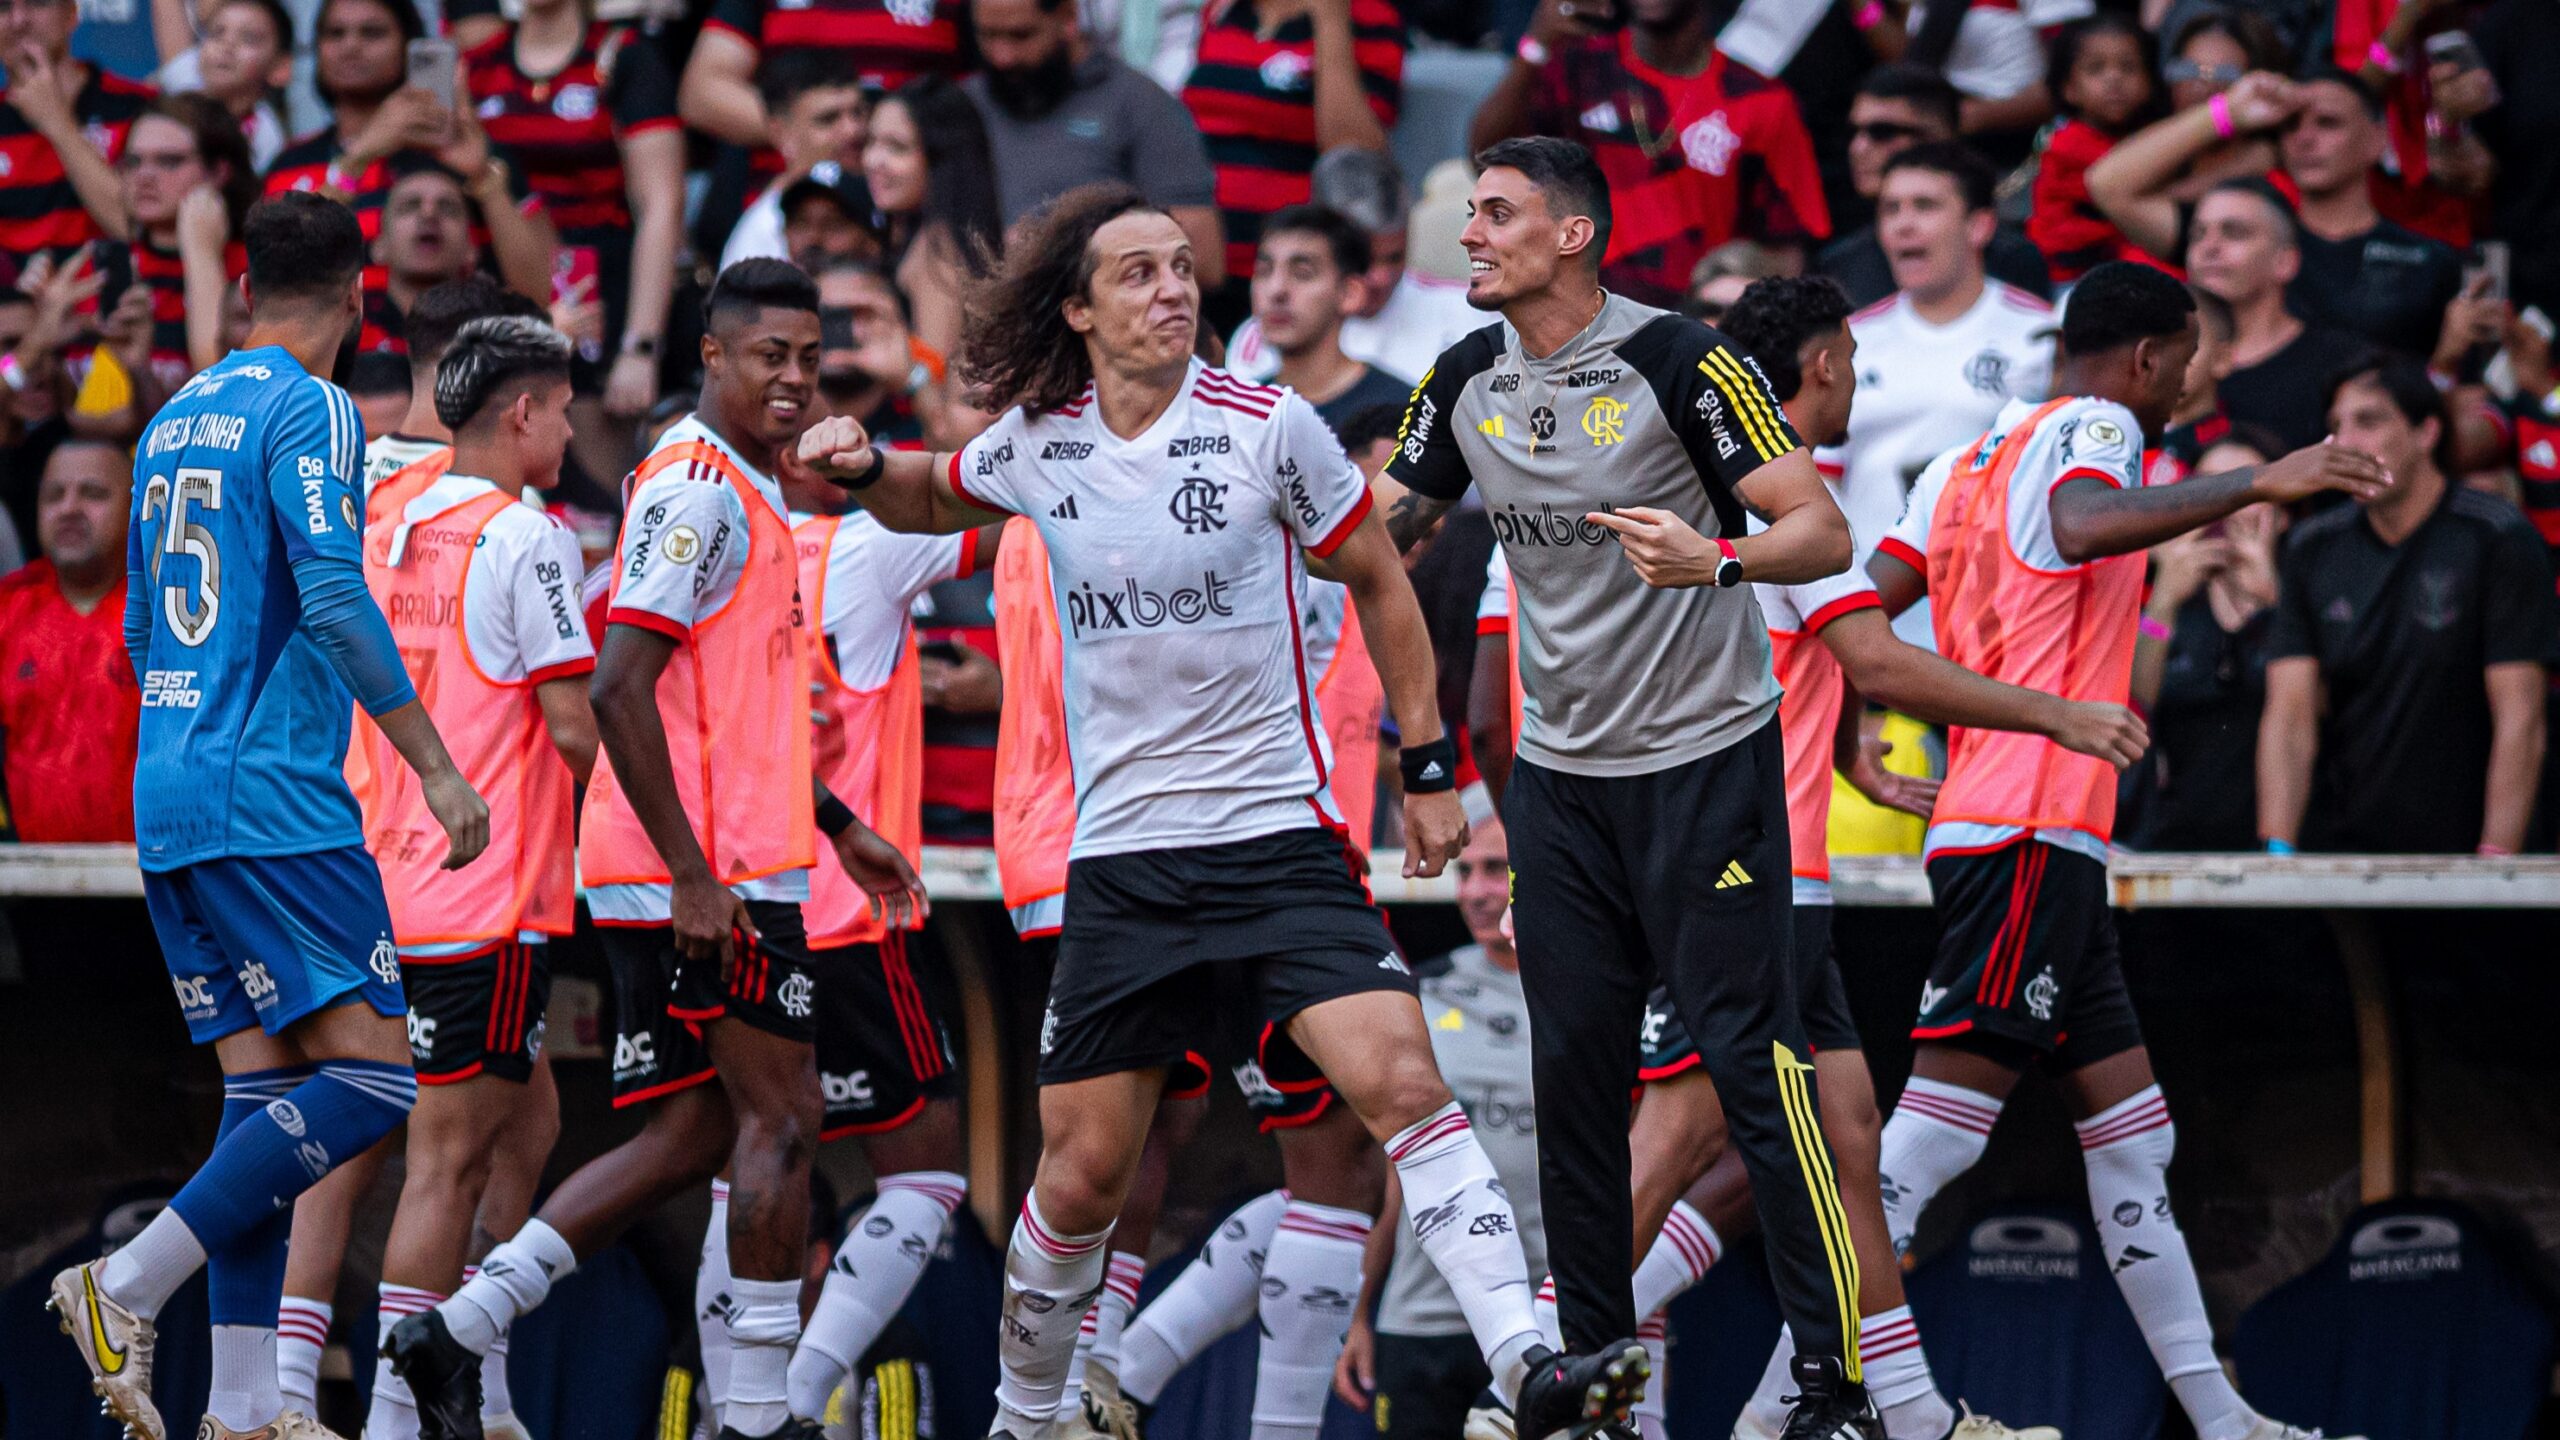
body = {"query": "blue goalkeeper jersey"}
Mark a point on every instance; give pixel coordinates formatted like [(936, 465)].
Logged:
[(247, 617)]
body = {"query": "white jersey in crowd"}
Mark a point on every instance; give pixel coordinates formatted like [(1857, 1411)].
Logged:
[(1999, 48), (1923, 388), (1175, 562), (2089, 437), (1421, 318), (667, 595), (1480, 1036), (394, 453), (874, 575), (520, 614)]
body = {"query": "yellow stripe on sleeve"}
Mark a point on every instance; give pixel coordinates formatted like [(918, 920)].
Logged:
[(1760, 422)]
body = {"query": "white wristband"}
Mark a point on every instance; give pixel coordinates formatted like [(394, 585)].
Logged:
[(1532, 52)]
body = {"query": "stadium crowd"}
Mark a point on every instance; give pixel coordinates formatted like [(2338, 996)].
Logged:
[(2343, 194), (2333, 180)]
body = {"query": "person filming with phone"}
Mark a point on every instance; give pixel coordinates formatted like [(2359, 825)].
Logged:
[(390, 88)]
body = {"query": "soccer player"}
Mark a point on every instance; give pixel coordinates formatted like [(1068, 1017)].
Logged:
[(1796, 331), (1647, 808), (250, 628), (1176, 504), (2030, 539), (695, 848), (883, 1054), (416, 452), (397, 468), (482, 593), (1305, 1237)]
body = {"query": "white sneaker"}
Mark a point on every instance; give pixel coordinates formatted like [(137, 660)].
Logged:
[(114, 1343), (1983, 1427), (1491, 1422), (503, 1427), (2267, 1429)]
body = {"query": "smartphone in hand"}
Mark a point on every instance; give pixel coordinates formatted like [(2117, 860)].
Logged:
[(434, 66)]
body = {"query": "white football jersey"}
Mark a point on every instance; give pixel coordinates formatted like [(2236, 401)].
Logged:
[(1174, 559), (1924, 388)]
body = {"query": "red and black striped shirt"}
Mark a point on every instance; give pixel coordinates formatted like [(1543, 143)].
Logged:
[(166, 275), (566, 129), (39, 209), (305, 165), (1255, 103), (882, 42), (1692, 160)]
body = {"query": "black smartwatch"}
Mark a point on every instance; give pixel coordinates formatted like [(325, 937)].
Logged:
[(1728, 569)]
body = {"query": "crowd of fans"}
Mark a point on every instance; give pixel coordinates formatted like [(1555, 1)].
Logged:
[(2350, 187)]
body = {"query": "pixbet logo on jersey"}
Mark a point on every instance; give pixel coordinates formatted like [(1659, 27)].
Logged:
[(1545, 525), (1130, 606)]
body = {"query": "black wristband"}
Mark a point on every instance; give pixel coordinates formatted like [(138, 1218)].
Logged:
[(870, 475), (834, 816), (1430, 768)]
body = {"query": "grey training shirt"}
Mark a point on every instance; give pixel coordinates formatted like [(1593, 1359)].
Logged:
[(1642, 408)]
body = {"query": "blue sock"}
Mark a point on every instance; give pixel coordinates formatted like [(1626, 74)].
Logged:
[(243, 1279), (285, 1147)]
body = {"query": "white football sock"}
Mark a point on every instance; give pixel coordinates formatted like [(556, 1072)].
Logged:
[(2126, 1150), (1098, 1338), (513, 1279), (1678, 1258), (763, 1327), (497, 1397), (882, 1256), (302, 1332), (393, 1414), (1471, 1237), (712, 1302), (1935, 1134), (1550, 1326), (1651, 1412), (244, 1394), (146, 1270), (1898, 1379), (1211, 1299), (1309, 1280), (1050, 1280)]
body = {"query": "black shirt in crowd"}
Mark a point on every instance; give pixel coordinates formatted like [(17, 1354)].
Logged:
[(2288, 391), (2388, 285), (2517, 40), (2402, 634), (2204, 733), (1374, 387)]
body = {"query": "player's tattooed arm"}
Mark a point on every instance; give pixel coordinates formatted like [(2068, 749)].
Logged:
[(1410, 513)]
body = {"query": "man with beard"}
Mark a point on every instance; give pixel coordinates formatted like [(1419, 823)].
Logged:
[(1061, 113)]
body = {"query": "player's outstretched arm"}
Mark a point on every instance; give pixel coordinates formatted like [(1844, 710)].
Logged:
[(908, 490), (1435, 821), (1928, 687), (705, 913), (2093, 520)]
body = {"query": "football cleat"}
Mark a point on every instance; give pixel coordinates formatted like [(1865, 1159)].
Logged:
[(1578, 1395), (1489, 1419), (1108, 1413), (443, 1376), (503, 1427), (1829, 1407), (2267, 1429), (291, 1425), (1983, 1427), (114, 1343)]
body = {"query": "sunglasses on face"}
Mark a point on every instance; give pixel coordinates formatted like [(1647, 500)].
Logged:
[(2182, 72), (1885, 132)]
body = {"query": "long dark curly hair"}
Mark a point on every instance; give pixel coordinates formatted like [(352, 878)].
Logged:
[(1018, 348)]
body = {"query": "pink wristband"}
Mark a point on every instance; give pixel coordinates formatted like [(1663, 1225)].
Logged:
[(2495, 852), (2154, 629), (2381, 58), (1869, 16), (2219, 107)]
